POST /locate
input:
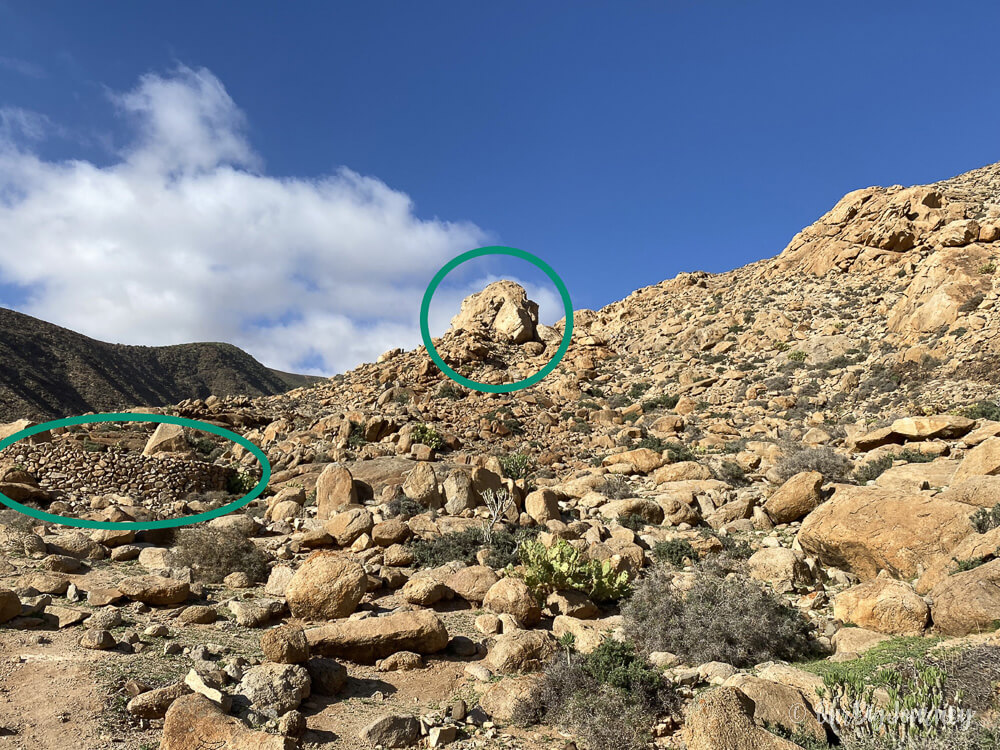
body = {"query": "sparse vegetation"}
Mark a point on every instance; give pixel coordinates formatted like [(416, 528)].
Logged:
[(984, 520), (427, 435), (515, 465), (212, 554), (718, 619), (675, 552), (826, 461), (617, 487), (562, 567)]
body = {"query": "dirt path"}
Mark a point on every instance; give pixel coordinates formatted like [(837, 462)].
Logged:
[(48, 696)]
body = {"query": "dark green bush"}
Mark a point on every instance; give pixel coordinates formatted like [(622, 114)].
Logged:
[(728, 618), (983, 410), (632, 521), (617, 487), (732, 473), (660, 402), (427, 435), (984, 520), (872, 469), (826, 461), (674, 552), (401, 505), (212, 554), (610, 699), (462, 546), (515, 465)]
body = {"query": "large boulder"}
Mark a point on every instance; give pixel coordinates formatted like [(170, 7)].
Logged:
[(542, 505), (156, 590), (166, 437), (722, 719), (784, 569), (326, 587), (347, 526), (501, 312), (968, 602), (796, 498), (275, 689), (868, 529), (193, 722), (781, 705), (421, 486), (983, 460), (391, 731), (521, 651), (945, 426), (511, 596), (372, 638), (883, 605), (638, 461), (472, 583), (503, 701), (10, 605), (335, 491)]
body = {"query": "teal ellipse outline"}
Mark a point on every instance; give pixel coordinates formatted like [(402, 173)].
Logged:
[(425, 306), (167, 523)]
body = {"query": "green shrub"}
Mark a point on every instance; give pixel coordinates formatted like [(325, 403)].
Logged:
[(962, 566), (983, 410), (632, 521), (728, 618), (203, 445), (462, 546), (401, 505), (240, 481), (732, 473), (826, 461), (562, 567), (93, 447), (988, 268), (450, 391), (356, 436), (515, 465), (674, 552), (638, 390), (427, 435), (872, 469), (984, 520), (797, 356), (664, 401), (609, 699), (617, 487), (212, 554)]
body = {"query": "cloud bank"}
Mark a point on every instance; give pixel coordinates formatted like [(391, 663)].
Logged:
[(184, 237)]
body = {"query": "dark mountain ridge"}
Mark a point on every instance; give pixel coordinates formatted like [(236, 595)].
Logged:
[(48, 372)]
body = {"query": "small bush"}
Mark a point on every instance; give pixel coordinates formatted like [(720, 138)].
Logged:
[(403, 506), (872, 469), (562, 567), (638, 390), (961, 566), (797, 356), (609, 699), (988, 268), (203, 445), (462, 546), (212, 554), (93, 447), (826, 461), (617, 487), (515, 465), (240, 481), (450, 391), (632, 521), (984, 520), (674, 552), (728, 618), (427, 435), (660, 402), (356, 436), (732, 473), (983, 410)]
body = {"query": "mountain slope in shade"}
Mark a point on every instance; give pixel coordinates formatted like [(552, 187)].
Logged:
[(48, 372)]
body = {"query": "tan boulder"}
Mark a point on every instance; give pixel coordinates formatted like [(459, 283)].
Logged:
[(501, 312), (974, 547), (166, 437), (587, 634), (722, 719), (334, 491), (10, 605), (156, 590), (778, 704), (983, 460), (542, 505), (639, 461), (968, 602), (511, 596), (867, 529), (347, 526), (945, 426), (796, 498), (883, 605), (681, 471), (784, 569), (193, 722), (367, 640), (981, 492), (472, 583), (855, 641), (504, 699), (421, 486), (521, 651), (326, 587)]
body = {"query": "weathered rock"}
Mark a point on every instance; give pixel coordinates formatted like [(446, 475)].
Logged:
[(347, 526), (883, 605), (326, 587), (639, 461), (781, 705), (334, 491), (274, 689), (472, 583), (504, 699), (784, 569), (153, 704), (968, 602), (796, 498), (166, 437), (542, 505), (983, 460), (946, 426), (285, 645), (521, 651), (722, 719), (255, 613), (867, 529), (328, 676), (511, 596), (421, 486), (155, 590), (97, 639), (372, 638), (391, 731), (10, 605), (194, 722), (501, 312)]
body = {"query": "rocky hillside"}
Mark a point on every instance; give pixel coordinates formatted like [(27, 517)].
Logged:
[(742, 504), (48, 372)]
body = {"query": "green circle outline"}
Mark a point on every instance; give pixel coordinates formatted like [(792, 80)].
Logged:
[(167, 523), (425, 306)]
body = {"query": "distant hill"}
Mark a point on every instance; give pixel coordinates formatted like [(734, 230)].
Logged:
[(48, 372)]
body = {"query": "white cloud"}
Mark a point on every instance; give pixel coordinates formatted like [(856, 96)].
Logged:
[(184, 238)]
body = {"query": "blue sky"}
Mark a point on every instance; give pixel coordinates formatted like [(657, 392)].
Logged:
[(621, 142)]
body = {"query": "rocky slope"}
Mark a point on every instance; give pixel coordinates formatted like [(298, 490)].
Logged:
[(47, 371), (734, 487)]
